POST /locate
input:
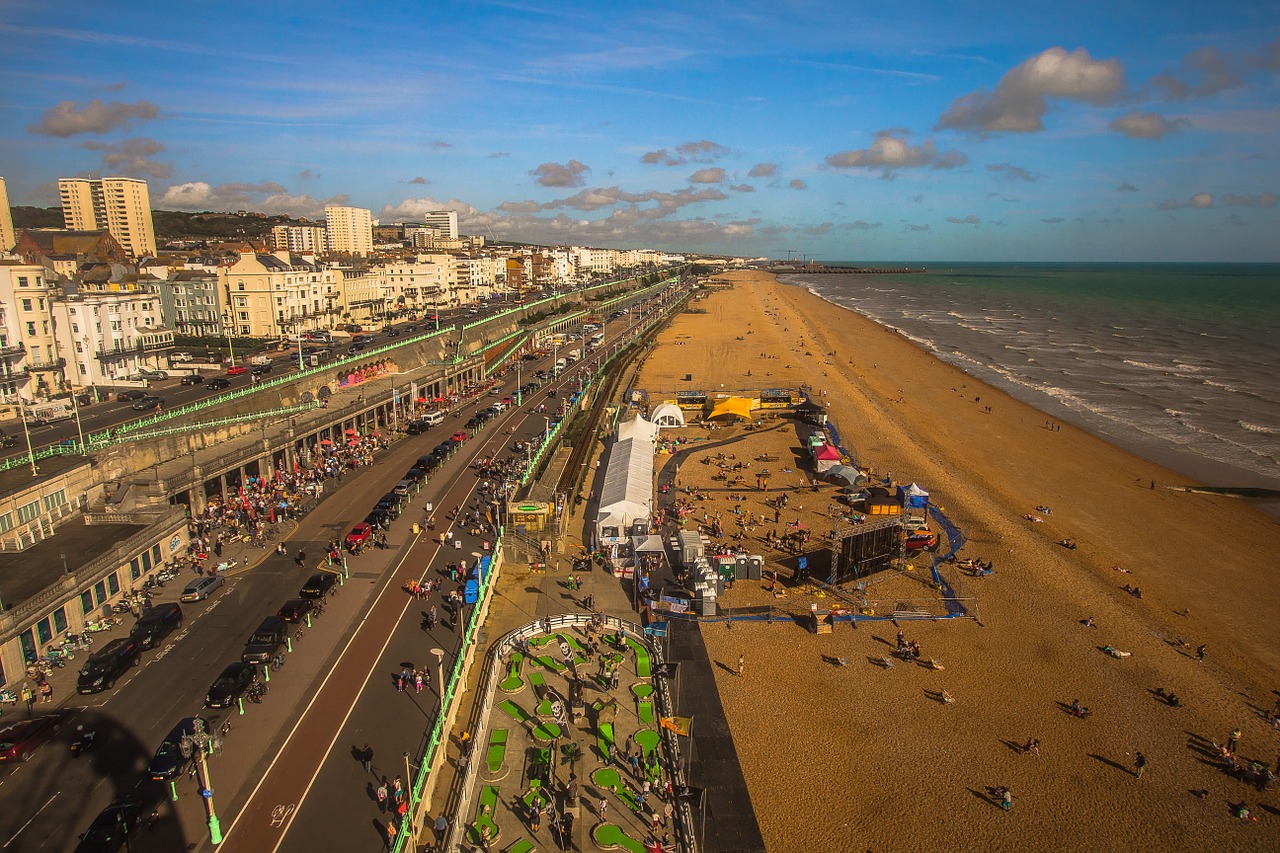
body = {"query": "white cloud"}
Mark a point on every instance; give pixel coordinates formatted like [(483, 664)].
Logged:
[(1260, 200), (860, 225), (68, 118), (968, 220), (1020, 100), (667, 202), (891, 150), (556, 175), (264, 197), (1210, 70), (1012, 173), (702, 151), (763, 170), (713, 175), (1143, 125), (797, 184), (741, 188), (132, 157), (1202, 201), (418, 180), (529, 206), (660, 157)]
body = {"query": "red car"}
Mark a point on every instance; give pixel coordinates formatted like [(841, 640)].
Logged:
[(358, 535), (236, 370), (922, 540), (20, 738), (460, 436)]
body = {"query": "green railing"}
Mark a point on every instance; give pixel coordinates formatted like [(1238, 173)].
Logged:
[(437, 733), (512, 347)]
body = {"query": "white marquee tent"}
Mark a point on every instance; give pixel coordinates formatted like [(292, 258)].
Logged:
[(668, 415), (626, 498)]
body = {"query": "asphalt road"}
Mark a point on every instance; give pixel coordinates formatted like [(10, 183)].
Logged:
[(368, 629)]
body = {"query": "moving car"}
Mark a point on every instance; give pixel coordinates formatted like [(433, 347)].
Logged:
[(102, 668), (201, 588), (156, 623), (19, 738), (318, 585), (217, 383), (111, 829), (266, 641), (358, 535), (236, 370), (295, 609), (169, 762), (193, 379), (146, 404), (417, 427), (130, 394), (262, 370), (231, 684)]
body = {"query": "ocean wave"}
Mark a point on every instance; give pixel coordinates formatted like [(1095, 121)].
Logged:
[(1266, 430)]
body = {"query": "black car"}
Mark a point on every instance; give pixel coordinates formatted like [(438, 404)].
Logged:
[(295, 609), (417, 427), (148, 403), (394, 333), (474, 422), (231, 684), (378, 518), (156, 623), (318, 585), (217, 383), (261, 370), (130, 394), (392, 503), (266, 642), (104, 667), (111, 829), (414, 475), (169, 761), (193, 379)]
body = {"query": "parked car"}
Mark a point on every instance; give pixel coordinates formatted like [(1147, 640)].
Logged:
[(111, 829), (295, 609), (146, 404), (201, 588), (179, 357), (318, 585), (193, 379), (266, 641), (378, 517), (130, 394), (403, 488), (153, 374), (236, 370), (414, 476), (231, 684), (417, 427), (169, 762), (20, 738), (217, 383), (358, 535), (922, 540), (102, 668), (460, 436), (156, 623), (392, 504)]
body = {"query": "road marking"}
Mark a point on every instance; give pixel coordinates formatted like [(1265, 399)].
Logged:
[(280, 813), (14, 837)]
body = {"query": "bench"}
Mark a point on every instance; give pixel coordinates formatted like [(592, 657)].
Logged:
[(497, 749)]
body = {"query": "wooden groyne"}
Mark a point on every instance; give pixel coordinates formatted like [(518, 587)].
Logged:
[(820, 269)]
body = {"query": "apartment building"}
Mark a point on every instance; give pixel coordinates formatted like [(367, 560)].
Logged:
[(268, 296), (29, 362), (7, 237), (197, 303), (111, 330), (349, 230), (299, 239), (443, 222), (120, 205), (429, 283)]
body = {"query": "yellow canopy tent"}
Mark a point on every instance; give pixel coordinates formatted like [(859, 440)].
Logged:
[(735, 407)]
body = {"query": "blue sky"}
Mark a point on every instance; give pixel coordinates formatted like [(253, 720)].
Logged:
[(859, 131)]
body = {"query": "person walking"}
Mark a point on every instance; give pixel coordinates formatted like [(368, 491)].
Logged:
[(381, 794), (392, 832), (1139, 765), (1200, 651), (603, 808), (741, 665), (1233, 741), (366, 757)]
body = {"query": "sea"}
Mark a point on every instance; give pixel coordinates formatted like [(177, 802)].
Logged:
[(1178, 363)]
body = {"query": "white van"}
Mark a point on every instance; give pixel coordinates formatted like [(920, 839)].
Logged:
[(433, 418), (561, 364)]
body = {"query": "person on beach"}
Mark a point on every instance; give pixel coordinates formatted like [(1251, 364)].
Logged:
[(1139, 765)]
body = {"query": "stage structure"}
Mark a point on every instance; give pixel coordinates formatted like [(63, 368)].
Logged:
[(859, 550)]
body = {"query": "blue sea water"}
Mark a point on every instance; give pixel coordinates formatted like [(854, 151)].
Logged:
[(1178, 362)]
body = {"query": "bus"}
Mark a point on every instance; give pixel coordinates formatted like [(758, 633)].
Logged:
[(596, 340)]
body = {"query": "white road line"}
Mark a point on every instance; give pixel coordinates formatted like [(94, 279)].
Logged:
[(14, 837), (351, 707)]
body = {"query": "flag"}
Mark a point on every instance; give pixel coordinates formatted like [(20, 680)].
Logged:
[(679, 725), (688, 792), (657, 629), (665, 670)]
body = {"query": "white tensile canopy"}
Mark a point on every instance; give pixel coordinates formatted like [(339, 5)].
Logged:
[(668, 415), (627, 494), (638, 427)]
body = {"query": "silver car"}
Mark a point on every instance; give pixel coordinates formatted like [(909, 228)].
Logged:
[(201, 588)]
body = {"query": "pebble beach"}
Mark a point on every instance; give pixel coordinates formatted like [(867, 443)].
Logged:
[(861, 757)]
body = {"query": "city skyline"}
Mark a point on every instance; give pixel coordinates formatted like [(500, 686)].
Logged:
[(1134, 133)]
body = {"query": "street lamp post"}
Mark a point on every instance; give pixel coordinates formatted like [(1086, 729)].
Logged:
[(439, 653), (196, 744)]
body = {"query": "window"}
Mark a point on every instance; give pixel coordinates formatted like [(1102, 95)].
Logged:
[(26, 305), (22, 281), (86, 602), (155, 554), (31, 330), (240, 285), (100, 591), (135, 569), (44, 631), (113, 582), (6, 522), (60, 620), (55, 500), (29, 513)]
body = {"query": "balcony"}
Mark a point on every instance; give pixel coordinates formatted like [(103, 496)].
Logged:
[(37, 365), (152, 342), (12, 350)]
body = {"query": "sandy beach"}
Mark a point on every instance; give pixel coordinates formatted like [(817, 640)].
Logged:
[(864, 758)]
